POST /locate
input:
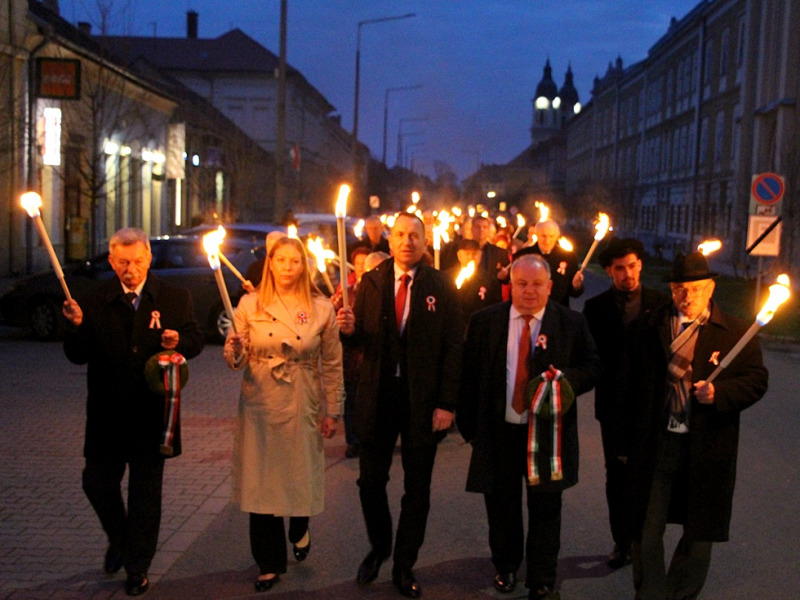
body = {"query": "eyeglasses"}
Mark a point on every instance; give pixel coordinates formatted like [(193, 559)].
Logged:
[(688, 290)]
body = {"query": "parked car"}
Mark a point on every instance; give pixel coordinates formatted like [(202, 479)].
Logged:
[(34, 302)]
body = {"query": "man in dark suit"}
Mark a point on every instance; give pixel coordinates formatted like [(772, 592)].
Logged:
[(494, 416), (115, 330), (406, 318), (478, 291), (684, 430), (493, 258), (567, 280), (610, 315)]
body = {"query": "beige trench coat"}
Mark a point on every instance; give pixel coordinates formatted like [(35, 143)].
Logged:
[(292, 379)]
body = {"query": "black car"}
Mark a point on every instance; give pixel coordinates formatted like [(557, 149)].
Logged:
[(34, 302)]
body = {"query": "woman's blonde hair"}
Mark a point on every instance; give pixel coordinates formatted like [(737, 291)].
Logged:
[(306, 289)]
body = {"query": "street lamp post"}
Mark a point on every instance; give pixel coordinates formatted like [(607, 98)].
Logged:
[(386, 112), (400, 135), (358, 83)]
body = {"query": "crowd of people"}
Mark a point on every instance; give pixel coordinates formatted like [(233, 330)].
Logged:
[(415, 352)]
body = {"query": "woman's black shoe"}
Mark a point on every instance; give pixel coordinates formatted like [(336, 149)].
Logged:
[(262, 585), (301, 553)]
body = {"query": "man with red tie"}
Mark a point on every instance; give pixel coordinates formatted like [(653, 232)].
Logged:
[(406, 319), (516, 438)]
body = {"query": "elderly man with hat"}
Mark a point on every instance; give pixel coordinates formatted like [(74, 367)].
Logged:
[(683, 432), (610, 316)]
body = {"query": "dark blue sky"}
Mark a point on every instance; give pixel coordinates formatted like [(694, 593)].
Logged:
[(478, 61)]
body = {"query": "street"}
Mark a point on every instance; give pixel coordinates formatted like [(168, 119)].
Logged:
[(52, 544)]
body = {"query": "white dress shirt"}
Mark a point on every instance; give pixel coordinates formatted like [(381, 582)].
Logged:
[(516, 323)]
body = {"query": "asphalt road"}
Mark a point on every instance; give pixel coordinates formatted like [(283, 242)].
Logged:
[(51, 545)]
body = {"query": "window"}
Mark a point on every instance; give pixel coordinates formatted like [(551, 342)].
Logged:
[(723, 53), (719, 135), (708, 62)]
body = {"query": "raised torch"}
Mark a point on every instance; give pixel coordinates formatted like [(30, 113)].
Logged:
[(341, 212), (779, 293), (320, 253), (601, 228), (32, 202), (229, 264), (465, 273), (211, 242)]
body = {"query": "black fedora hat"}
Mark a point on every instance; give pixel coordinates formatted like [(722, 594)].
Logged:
[(692, 267)]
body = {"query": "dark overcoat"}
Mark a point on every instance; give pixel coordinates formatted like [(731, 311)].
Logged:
[(704, 502), (124, 418), (605, 317), (482, 400), (430, 351), (563, 266)]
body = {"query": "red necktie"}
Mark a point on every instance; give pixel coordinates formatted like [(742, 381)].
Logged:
[(400, 300), (521, 379)]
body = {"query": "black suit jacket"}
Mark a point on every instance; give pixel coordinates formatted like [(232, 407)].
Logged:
[(124, 418), (477, 292), (482, 400), (563, 266), (604, 315), (430, 351)]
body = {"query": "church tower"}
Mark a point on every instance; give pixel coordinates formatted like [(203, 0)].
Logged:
[(552, 107)]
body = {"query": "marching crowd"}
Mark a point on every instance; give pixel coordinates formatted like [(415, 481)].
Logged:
[(412, 353)]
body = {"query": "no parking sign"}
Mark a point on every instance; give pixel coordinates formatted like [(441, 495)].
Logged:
[(766, 193)]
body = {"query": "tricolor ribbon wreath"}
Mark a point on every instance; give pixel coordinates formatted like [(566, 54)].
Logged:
[(170, 367), (550, 396)]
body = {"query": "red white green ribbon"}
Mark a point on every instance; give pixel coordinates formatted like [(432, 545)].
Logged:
[(546, 407), (170, 366)]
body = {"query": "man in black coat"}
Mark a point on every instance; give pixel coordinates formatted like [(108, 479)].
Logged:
[(610, 315), (498, 426), (477, 291), (684, 430), (115, 330), (567, 280), (406, 319), (493, 258)]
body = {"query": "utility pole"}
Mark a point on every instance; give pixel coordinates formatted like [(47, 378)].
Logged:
[(280, 143)]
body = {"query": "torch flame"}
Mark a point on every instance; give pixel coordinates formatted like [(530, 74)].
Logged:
[(211, 244), (706, 247), (341, 202), (603, 223), (358, 228), (520, 220), (465, 273), (565, 244), (778, 294), (414, 199), (316, 247), (501, 220), (291, 231), (544, 211), (31, 202)]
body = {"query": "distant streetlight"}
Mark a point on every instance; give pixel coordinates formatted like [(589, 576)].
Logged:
[(386, 112), (400, 135), (358, 81)]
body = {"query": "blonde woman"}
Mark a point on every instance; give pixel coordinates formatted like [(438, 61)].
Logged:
[(292, 392)]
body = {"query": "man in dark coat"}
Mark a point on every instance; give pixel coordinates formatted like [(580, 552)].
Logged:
[(116, 329), (479, 290), (567, 280), (610, 315), (406, 318), (373, 238), (684, 430), (489, 416), (493, 258)]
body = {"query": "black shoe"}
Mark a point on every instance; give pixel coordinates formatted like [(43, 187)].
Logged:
[(301, 553), (406, 584), (619, 557), (262, 585), (370, 567), (505, 582), (113, 560), (543, 593), (136, 584)]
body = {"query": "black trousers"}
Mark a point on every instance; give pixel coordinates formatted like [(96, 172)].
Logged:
[(268, 540), (134, 531), (616, 474), (504, 513), (375, 461)]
